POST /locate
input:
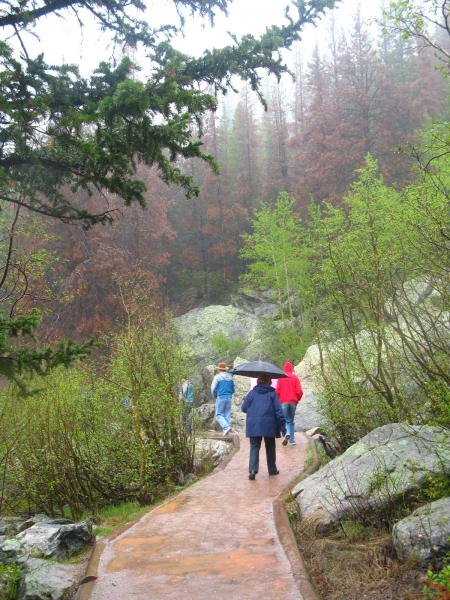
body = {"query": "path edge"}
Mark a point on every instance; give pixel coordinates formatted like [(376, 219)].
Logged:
[(90, 575), (286, 535)]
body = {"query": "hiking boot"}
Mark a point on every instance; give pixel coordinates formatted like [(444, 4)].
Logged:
[(252, 475), (286, 439)]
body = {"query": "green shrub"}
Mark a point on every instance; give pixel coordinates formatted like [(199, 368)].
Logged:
[(353, 530), (9, 581), (288, 342), (435, 487), (437, 585), (226, 347), (99, 436)]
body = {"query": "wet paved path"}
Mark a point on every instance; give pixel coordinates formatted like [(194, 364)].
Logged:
[(215, 540)]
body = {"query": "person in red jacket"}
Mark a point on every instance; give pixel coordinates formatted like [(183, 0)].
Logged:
[(289, 390)]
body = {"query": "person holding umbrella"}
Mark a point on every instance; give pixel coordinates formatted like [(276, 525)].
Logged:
[(265, 419)]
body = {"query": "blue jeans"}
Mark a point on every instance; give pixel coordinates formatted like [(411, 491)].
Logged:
[(289, 409), (187, 409), (255, 445), (223, 412)]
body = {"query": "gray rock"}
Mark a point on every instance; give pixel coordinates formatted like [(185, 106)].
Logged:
[(425, 533), (314, 432), (307, 415), (57, 538), (10, 549), (418, 292), (44, 580), (37, 518), (205, 414), (385, 465), (260, 303), (214, 450)]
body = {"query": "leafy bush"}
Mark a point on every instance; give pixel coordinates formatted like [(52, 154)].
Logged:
[(94, 437), (437, 585), (289, 342), (374, 262), (226, 347)]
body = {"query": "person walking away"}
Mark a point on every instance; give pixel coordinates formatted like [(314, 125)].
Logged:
[(222, 389), (289, 390), (186, 396), (265, 419)]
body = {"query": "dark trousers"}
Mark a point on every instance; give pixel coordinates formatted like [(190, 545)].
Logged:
[(255, 445)]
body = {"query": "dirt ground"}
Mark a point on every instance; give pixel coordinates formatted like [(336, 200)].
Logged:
[(356, 563)]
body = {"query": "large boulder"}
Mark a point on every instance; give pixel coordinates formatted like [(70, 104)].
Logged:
[(425, 533), (10, 549), (385, 465), (197, 326), (58, 537), (45, 580), (205, 415), (210, 450), (307, 414)]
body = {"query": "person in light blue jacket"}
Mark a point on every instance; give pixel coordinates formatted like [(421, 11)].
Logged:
[(222, 389)]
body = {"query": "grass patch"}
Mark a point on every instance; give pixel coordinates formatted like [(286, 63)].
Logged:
[(110, 518), (309, 458), (9, 581), (323, 456)]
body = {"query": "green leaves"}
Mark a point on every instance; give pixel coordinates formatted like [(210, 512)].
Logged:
[(25, 361), (63, 132), (274, 253)]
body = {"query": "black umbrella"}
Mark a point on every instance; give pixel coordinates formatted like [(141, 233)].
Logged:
[(257, 368)]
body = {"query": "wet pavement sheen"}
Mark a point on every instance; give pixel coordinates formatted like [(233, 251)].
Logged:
[(215, 540)]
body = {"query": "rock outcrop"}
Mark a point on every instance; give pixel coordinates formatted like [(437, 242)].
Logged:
[(205, 415), (39, 538), (57, 538), (425, 533), (44, 580), (199, 325), (385, 465), (307, 414)]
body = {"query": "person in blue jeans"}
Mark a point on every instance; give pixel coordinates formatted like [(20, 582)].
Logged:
[(222, 389), (186, 396), (265, 419), (289, 389)]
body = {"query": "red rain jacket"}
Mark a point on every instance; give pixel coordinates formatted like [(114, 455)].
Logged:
[(289, 388)]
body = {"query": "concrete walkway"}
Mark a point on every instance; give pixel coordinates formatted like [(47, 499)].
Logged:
[(215, 540)]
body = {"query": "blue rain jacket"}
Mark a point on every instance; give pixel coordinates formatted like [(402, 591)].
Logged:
[(264, 414)]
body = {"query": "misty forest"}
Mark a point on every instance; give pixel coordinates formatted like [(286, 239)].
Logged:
[(314, 176)]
